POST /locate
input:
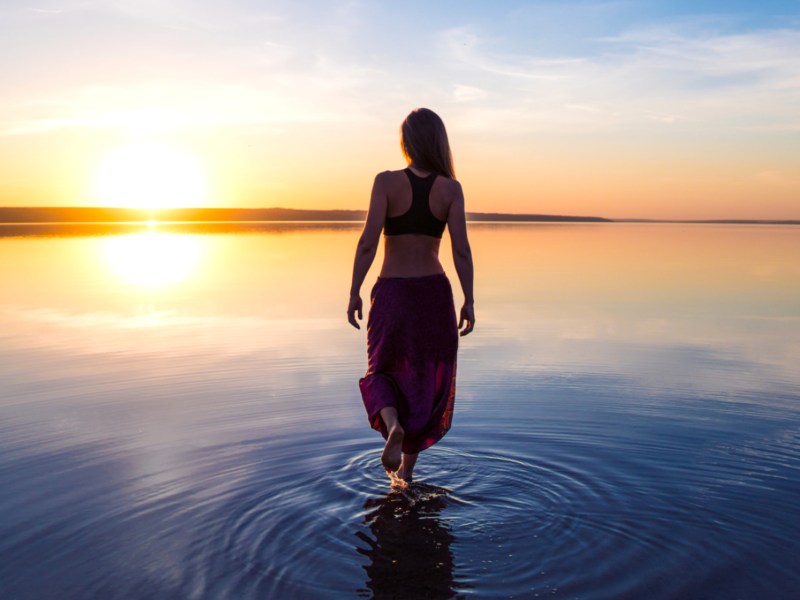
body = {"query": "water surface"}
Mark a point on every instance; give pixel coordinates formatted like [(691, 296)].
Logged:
[(179, 418)]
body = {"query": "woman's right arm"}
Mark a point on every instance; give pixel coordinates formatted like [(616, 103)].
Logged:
[(462, 256), (367, 246)]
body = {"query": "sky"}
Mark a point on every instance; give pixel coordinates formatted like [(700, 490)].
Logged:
[(622, 109)]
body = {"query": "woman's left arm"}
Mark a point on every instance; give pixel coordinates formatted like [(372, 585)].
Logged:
[(367, 246), (462, 256)]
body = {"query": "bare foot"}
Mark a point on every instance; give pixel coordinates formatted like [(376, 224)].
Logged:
[(392, 452), (406, 470), (404, 475), (396, 482)]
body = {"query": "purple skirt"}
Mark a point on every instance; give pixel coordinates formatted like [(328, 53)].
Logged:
[(412, 340)]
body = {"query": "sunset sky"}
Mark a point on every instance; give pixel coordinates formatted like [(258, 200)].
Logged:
[(650, 109)]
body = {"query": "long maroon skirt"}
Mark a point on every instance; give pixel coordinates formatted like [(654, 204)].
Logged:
[(412, 340)]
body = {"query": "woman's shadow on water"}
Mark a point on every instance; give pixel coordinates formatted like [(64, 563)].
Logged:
[(409, 550)]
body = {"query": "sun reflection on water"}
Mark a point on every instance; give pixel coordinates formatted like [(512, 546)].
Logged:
[(153, 259)]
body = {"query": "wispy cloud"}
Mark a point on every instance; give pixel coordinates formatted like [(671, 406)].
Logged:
[(327, 94), (463, 46), (468, 93), (224, 68), (46, 11), (657, 76), (775, 178)]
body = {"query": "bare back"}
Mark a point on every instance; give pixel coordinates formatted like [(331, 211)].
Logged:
[(413, 255)]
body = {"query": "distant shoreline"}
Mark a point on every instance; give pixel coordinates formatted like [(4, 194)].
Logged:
[(80, 214)]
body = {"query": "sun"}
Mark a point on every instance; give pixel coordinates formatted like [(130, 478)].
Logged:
[(150, 175)]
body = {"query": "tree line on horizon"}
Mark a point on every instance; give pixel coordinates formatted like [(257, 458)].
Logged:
[(104, 214), (90, 214)]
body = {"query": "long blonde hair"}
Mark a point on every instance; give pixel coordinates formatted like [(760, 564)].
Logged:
[(424, 142)]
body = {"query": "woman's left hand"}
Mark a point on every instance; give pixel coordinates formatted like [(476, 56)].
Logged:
[(467, 321), (352, 308)]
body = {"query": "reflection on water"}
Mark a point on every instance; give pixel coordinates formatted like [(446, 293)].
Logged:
[(409, 549), (153, 259), (631, 393)]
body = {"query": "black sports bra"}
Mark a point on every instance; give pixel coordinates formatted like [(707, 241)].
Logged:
[(418, 218)]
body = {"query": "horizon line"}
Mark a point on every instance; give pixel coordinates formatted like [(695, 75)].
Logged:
[(113, 214)]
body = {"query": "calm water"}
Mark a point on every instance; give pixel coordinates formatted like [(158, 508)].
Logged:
[(179, 418)]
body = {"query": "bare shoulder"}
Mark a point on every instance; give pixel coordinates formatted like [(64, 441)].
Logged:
[(389, 180), (450, 189), (390, 175)]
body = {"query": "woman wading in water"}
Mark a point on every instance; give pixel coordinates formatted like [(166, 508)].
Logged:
[(412, 338)]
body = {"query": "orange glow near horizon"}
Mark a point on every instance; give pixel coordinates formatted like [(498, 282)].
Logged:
[(542, 178)]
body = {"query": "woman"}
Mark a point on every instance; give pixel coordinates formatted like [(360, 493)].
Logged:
[(412, 337)]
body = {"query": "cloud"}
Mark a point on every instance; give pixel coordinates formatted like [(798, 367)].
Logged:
[(329, 92), (462, 45), (468, 93), (229, 67), (661, 77), (291, 63), (46, 11), (775, 178)]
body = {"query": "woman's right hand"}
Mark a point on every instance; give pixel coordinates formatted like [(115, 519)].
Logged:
[(353, 308), (467, 320)]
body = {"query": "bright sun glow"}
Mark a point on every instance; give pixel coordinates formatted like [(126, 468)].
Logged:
[(150, 175), (153, 259)]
